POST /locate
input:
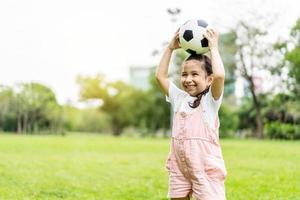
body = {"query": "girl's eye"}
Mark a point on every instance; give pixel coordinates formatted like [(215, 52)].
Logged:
[(195, 74), (184, 75)]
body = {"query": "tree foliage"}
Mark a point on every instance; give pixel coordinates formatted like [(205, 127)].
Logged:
[(30, 108), (293, 56)]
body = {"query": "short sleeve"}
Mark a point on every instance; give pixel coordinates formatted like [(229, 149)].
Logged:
[(175, 95), (211, 106), (216, 104)]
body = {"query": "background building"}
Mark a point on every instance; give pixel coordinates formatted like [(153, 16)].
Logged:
[(139, 76)]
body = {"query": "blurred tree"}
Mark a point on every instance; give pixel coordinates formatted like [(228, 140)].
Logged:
[(158, 114), (229, 120), (255, 55), (86, 120), (36, 108), (228, 50), (7, 117), (125, 104), (29, 108), (293, 56)]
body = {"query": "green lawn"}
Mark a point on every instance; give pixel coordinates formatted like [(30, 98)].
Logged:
[(107, 168)]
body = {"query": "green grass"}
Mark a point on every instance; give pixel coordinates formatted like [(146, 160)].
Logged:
[(107, 168)]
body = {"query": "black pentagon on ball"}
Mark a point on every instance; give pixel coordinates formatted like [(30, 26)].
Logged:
[(188, 35), (204, 42), (202, 23), (191, 51)]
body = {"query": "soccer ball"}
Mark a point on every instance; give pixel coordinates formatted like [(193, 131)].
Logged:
[(191, 36)]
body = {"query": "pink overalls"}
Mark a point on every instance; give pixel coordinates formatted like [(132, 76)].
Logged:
[(195, 161)]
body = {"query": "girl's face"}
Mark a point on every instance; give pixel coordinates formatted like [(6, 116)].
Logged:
[(193, 78)]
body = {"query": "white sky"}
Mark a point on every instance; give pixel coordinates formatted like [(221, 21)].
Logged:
[(54, 41)]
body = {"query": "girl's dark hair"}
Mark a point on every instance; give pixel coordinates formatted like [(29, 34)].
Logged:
[(206, 66)]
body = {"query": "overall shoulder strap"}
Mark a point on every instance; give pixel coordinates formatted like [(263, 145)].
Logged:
[(180, 104)]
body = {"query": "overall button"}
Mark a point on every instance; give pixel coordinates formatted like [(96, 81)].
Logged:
[(181, 125), (182, 130), (213, 140), (183, 114), (180, 136)]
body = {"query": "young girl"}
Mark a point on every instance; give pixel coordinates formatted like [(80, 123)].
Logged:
[(195, 162)]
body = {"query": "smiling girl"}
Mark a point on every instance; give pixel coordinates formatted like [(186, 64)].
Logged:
[(195, 162)]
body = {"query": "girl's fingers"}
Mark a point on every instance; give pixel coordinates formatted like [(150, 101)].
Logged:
[(211, 29), (206, 35), (209, 32), (213, 32)]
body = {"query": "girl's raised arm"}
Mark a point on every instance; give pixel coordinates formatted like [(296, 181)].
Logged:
[(162, 69), (217, 85)]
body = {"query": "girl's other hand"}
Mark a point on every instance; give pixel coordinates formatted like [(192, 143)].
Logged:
[(212, 36), (174, 44)]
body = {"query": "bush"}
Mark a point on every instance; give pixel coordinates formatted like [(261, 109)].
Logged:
[(229, 121), (277, 130)]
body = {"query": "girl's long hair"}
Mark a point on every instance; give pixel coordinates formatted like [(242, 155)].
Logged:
[(206, 65)]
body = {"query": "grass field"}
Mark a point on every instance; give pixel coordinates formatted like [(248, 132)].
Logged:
[(107, 168)]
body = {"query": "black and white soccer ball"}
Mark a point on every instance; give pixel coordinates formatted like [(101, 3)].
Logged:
[(191, 36)]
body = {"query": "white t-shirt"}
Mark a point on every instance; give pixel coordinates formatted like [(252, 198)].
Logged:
[(209, 104)]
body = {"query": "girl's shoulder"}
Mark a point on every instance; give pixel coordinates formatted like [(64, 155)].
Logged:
[(209, 101), (175, 93), (176, 96), (211, 108)]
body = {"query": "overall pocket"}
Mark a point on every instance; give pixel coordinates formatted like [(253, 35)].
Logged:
[(215, 167), (168, 163), (171, 165)]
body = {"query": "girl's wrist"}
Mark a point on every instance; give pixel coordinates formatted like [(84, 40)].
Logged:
[(170, 48), (214, 48)]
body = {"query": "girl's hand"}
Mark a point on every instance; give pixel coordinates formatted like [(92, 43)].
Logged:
[(174, 44), (212, 36)]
